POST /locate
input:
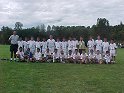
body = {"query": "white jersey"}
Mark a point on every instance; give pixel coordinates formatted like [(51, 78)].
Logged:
[(38, 44), (91, 44), (21, 54), (44, 45), (75, 43), (58, 45), (51, 43), (64, 44), (107, 58), (98, 56), (91, 56), (70, 45), (76, 56), (37, 55), (98, 44), (25, 44), (32, 44), (56, 55), (112, 46), (20, 44), (70, 56), (83, 56), (105, 46)]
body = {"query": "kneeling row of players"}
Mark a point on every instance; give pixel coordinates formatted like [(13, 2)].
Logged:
[(83, 58)]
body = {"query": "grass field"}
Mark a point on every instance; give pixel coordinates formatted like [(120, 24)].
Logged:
[(61, 78)]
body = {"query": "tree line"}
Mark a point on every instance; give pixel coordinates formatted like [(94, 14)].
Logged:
[(102, 28)]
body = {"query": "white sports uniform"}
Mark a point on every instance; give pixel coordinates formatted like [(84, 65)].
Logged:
[(91, 56), (37, 55), (20, 44), (25, 45), (51, 45), (21, 54), (105, 46), (74, 43), (55, 56), (38, 44), (32, 46), (58, 46), (44, 47), (107, 58), (70, 45), (90, 45), (98, 57), (112, 48), (98, 44), (64, 46), (76, 56)]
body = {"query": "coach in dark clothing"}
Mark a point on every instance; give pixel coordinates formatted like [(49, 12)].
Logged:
[(14, 45)]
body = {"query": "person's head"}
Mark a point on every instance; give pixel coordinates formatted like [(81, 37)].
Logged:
[(55, 50), (63, 39), (20, 39), (20, 49), (26, 39), (44, 39), (32, 38), (97, 52), (112, 41), (74, 39), (90, 38), (91, 51), (47, 50), (51, 37), (28, 49), (81, 38), (107, 52), (70, 52), (14, 32), (38, 50), (98, 37), (38, 39), (70, 38), (62, 52), (105, 39), (57, 39)]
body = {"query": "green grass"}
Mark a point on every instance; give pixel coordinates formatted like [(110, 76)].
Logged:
[(61, 78)]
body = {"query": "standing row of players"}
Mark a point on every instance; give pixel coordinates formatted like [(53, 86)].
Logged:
[(72, 51)]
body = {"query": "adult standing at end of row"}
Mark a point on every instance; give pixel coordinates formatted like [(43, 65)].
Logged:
[(14, 45)]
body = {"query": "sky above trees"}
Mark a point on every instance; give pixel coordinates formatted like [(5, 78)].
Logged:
[(60, 12)]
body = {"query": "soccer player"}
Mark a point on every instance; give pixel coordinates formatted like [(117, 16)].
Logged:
[(56, 56), (28, 55), (51, 44), (98, 44), (91, 44), (20, 54), (14, 45), (91, 56), (98, 57), (62, 57), (37, 55), (70, 44), (107, 57), (81, 45), (48, 56), (20, 43), (58, 45), (25, 44), (70, 57), (44, 46), (113, 48), (84, 57), (64, 45), (76, 56), (75, 44), (105, 46), (32, 45), (38, 44)]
